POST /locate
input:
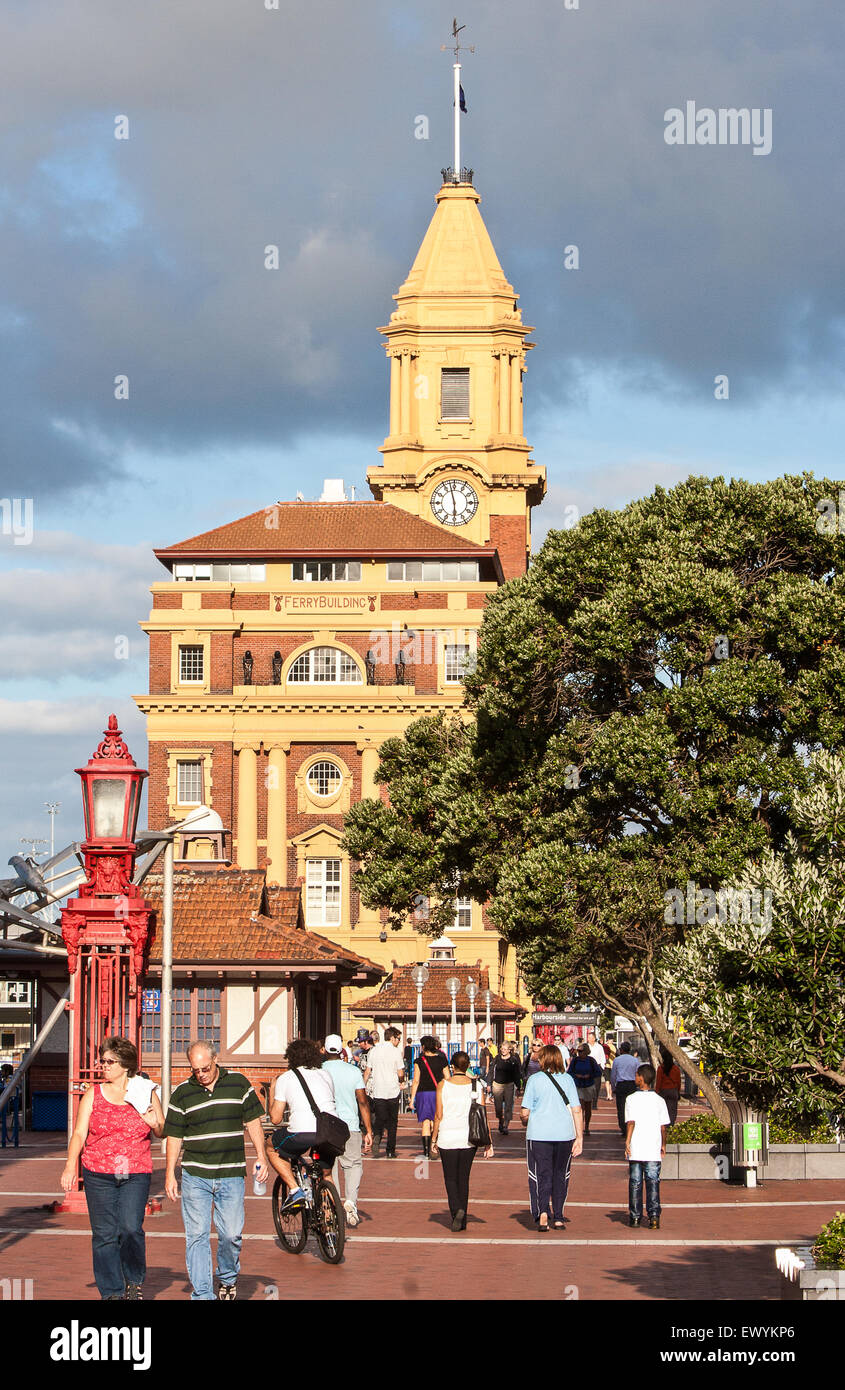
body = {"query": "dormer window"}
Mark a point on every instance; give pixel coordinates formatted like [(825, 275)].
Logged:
[(454, 393)]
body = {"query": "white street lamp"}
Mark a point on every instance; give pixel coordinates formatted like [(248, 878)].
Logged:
[(419, 975), (472, 990), (453, 984), (487, 996), (53, 808)]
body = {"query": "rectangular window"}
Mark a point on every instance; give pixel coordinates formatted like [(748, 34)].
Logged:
[(452, 571), (187, 573), (18, 992), (322, 892), (189, 789), (454, 393), (190, 665), (195, 1014), (458, 660), (236, 573), (463, 914), (326, 571)]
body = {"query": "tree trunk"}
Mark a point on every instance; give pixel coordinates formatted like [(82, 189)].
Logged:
[(686, 1064), (653, 1016)]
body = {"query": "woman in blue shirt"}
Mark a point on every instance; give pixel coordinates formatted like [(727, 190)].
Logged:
[(552, 1112)]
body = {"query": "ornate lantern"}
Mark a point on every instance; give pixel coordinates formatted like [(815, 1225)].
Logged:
[(106, 927)]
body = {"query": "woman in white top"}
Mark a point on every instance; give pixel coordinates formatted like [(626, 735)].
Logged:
[(450, 1136), (300, 1133)]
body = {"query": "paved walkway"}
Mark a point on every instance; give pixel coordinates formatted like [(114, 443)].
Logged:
[(716, 1241)]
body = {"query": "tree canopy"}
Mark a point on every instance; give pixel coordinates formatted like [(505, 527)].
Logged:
[(639, 719), (765, 998)]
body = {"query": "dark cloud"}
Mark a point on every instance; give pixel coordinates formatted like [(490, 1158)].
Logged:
[(251, 127)]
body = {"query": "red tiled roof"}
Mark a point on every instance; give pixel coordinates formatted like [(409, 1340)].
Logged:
[(218, 916), (398, 994), (320, 529)]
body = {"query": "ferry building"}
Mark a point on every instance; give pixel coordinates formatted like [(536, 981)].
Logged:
[(288, 645)]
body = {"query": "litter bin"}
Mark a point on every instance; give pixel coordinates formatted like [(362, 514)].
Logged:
[(749, 1140), (49, 1110)]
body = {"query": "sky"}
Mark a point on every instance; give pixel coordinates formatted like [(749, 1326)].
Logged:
[(250, 126)]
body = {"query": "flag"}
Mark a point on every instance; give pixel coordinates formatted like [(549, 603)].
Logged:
[(463, 101)]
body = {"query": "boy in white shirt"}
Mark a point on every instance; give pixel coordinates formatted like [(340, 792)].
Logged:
[(646, 1120)]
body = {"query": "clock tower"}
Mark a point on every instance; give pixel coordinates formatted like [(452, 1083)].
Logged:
[(456, 454)]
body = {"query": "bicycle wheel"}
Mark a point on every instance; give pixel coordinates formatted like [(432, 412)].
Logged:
[(330, 1223), (290, 1225)]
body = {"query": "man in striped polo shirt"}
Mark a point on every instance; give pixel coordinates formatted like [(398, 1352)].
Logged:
[(205, 1122)]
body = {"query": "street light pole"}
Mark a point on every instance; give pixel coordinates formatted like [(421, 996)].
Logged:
[(453, 984), (472, 990), (53, 808), (487, 996), (419, 975)]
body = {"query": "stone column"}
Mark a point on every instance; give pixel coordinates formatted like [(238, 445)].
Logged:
[(277, 816), (247, 808), (369, 766), (516, 393), (504, 393), (405, 419), (395, 371)]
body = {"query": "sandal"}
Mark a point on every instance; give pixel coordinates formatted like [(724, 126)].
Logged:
[(540, 1225)]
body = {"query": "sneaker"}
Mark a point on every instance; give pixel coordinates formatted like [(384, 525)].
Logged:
[(227, 1293), (459, 1221), (634, 1220), (293, 1199), (654, 1223), (352, 1217), (133, 1293)]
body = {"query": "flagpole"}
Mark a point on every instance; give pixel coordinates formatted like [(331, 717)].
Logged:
[(457, 72)]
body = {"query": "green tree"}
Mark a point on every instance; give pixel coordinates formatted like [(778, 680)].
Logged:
[(765, 997), (638, 720)]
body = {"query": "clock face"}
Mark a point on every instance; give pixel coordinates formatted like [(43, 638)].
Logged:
[(454, 502)]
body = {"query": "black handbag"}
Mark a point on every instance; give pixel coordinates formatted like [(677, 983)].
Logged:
[(479, 1134), (332, 1132)]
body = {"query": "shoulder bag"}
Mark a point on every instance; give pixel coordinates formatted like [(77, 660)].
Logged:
[(332, 1132), (479, 1133)]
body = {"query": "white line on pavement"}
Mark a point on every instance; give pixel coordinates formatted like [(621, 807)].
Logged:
[(449, 1240)]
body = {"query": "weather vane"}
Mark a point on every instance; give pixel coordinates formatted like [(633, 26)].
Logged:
[(459, 99), (456, 30)]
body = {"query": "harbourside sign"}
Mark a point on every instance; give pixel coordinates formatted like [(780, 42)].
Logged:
[(561, 1020)]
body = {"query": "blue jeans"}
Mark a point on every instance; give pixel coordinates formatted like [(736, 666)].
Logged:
[(116, 1211), (635, 1188), (202, 1198)]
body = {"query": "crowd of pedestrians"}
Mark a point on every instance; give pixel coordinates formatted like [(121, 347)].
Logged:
[(360, 1084)]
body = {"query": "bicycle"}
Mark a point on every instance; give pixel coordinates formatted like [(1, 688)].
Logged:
[(321, 1212)]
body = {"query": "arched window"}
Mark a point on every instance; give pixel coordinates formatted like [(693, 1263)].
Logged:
[(324, 666)]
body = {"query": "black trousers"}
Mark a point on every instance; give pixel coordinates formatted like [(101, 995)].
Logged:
[(385, 1117), (624, 1089), (456, 1170)]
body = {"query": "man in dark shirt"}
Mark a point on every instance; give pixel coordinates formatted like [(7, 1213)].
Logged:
[(507, 1075)]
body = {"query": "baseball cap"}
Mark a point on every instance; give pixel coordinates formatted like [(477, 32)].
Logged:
[(334, 1043)]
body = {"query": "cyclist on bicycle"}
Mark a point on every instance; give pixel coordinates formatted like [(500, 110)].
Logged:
[(299, 1135)]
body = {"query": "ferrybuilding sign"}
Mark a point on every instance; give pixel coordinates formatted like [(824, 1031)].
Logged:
[(325, 603)]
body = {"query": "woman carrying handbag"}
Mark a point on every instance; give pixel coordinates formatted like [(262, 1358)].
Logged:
[(429, 1072), (552, 1113), (458, 1127)]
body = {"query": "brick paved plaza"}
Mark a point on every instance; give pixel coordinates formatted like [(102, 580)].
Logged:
[(716, 1241)]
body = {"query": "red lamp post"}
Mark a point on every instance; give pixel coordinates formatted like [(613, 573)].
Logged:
[(106, 927)]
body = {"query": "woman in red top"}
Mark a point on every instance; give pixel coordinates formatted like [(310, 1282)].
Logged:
[(668, 1083), (114, 1126)]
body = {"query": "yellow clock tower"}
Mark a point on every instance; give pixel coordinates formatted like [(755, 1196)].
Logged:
[(456, 454)]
